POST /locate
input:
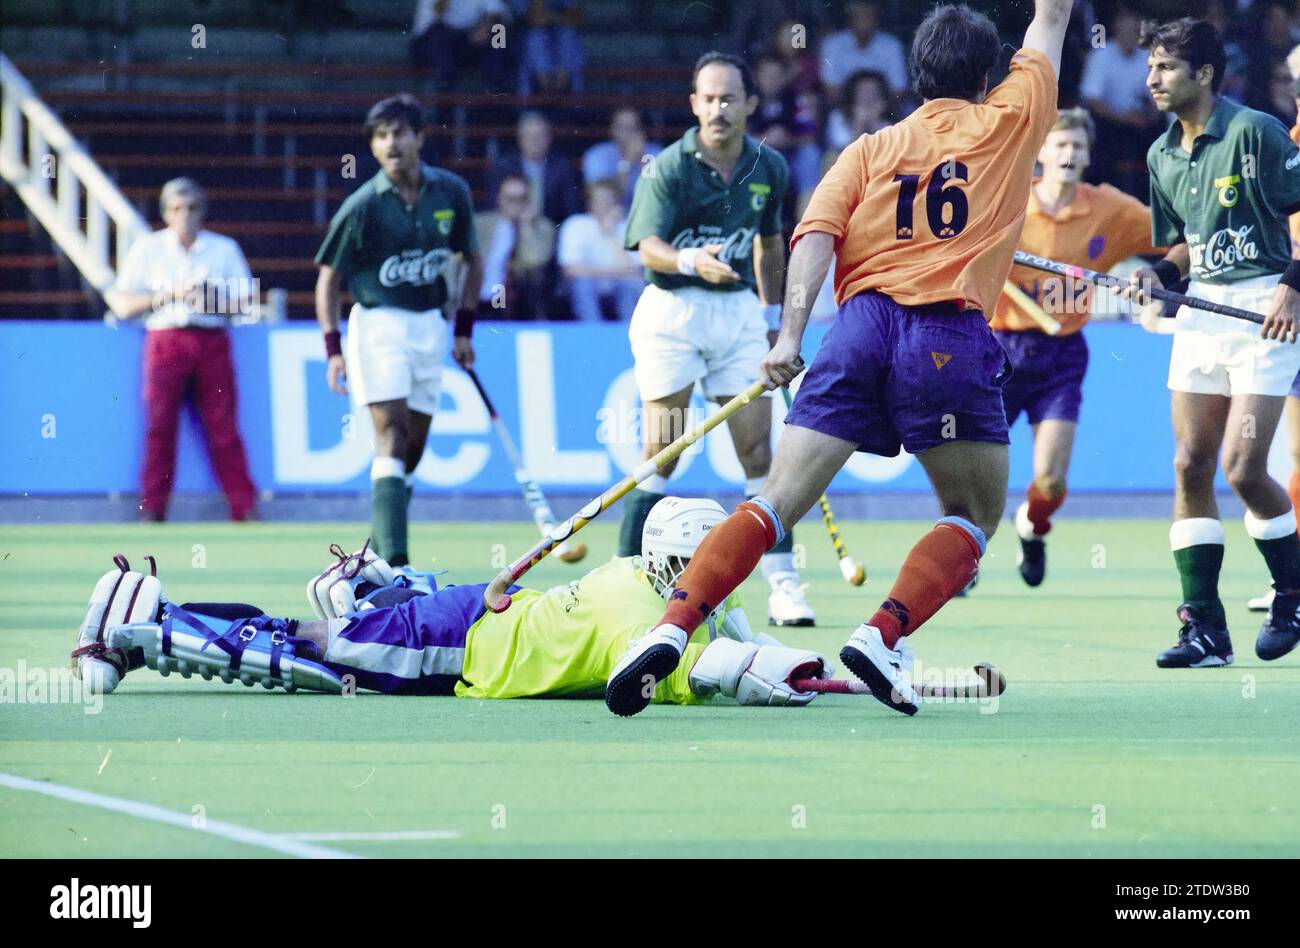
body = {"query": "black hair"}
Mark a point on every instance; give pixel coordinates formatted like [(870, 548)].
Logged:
[(850, 88), (1196, 41), (952, 53), (725, 59), (398, 109)]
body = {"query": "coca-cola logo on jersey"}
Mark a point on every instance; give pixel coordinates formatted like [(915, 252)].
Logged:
[(737, 245), (1224, 249), (414, 267)]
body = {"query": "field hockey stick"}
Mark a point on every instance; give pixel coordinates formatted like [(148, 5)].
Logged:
[(853, 572), (495, 596), (991, 684), (1103, 279), (1027, 305), (533, 495)]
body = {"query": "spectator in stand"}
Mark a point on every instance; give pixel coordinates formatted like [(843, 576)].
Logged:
[(451, 37), (864, 110), (1273, 41), (553, 187), (553, 54), (187, 282), (622, 157), (863, 46), (597, 268), (787, 121), (1237, 66), (791, 42), (1281, 102), (1114, 91), (518, 248)]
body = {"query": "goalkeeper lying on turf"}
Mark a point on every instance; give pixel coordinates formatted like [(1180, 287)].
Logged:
[(394, 631)]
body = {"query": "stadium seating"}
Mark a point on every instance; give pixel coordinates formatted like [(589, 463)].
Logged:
[(263, 113)]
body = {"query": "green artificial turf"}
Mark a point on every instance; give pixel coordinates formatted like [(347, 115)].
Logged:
[(1189, 763)]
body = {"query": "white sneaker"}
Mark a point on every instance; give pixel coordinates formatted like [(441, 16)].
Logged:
[(647, 661), (887, 672), (1262, 603), (786, 605)]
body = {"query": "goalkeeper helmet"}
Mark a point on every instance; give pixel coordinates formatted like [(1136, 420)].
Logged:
[(673, 530)]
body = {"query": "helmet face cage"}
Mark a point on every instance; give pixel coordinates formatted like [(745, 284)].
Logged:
[(664, 571)]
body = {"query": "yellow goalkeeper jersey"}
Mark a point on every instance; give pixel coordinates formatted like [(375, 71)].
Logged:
[(565, 641)]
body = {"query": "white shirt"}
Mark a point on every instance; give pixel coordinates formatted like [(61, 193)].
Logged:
[(460, 14), (842, 57), (839, 134), (496, 264), (584, 244), (157, 262), (1119, 81)]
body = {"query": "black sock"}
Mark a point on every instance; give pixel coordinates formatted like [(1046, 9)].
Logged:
[(1282, 555), (636, 507)]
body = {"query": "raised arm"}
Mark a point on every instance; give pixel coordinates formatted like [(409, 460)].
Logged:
[(1047, 31)]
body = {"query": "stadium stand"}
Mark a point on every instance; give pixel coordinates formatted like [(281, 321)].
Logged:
[(263, 110)]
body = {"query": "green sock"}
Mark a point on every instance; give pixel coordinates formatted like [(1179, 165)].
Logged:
[(1198, 568), (388, 497), (636, 507), (1283, 558)]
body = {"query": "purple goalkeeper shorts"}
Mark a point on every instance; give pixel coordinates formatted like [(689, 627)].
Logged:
[(890, 376), (1047, 375), (417, 647), (1295, 386)]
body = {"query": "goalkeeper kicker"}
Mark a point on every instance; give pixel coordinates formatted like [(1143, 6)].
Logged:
[(394, 631)]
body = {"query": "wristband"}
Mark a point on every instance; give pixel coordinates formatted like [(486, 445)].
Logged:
[(686, 260), (1168, 273), (464, 324), (333, 343), (1291, 275), (772, 316)]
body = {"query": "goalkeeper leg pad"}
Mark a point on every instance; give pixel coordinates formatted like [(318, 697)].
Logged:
[(121, 595), (230, 641), (756, 674)]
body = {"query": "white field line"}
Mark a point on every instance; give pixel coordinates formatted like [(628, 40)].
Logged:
[(147, 811), (397, 835)]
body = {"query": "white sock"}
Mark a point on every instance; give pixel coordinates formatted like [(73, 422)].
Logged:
[(654, 484), (1195, 531), (774, 564), (1025, 526), (1273, 529), (387, 467)]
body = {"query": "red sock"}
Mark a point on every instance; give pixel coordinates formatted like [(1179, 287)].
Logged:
[(939, 567), (728, 554), (1041, 508), (1293, 489)]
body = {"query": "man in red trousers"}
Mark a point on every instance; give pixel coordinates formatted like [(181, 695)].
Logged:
[(187, 282)]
